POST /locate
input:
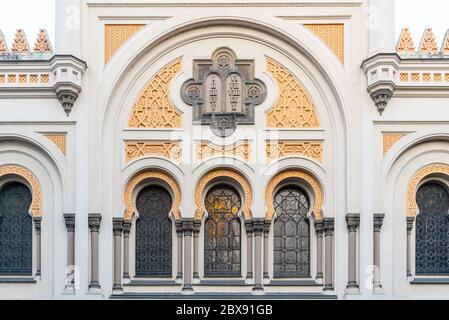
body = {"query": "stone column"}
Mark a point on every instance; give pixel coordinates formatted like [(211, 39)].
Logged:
[(249, 249), (410, 223), (378, 223), (37, 227), (258, 227), (117, 227), (94, 227), (179, 250), (187, 227), (70, 225), (328, 227), (266, 233), (353, 222), (196, 247), (126, 232), (319, 229)]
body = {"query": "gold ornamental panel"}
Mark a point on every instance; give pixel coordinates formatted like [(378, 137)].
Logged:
[(206, 150), (333, 35), (59, 139), (390, 139), (279, 149), (166, 149), (116, 35)]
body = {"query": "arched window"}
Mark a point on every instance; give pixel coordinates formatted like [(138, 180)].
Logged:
[(154, 233), (291, 234), (16, 230), (432, 230), (222, 239)]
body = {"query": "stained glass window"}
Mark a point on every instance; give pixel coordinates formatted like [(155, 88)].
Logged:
[(16, 230), (222, 247), (291, 234), (432, 230), (154, 233)]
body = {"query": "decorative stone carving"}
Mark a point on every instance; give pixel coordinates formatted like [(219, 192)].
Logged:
[(444, 45), (153, 108), (153, 174), (378, 221), (117, 227), (410, 224), (94, 221), (20, 43), (294, 108), (188, 227), (428, 43), (223, 173), (258, 227), (70, 224), (329, 226), (381, 98), (116, 35), (67, 98), (319, 227), (333, 35), (279, 149), (43, 44), (223, 92), (390, 139), (412, 206), (36, 204), (3, 45), (169, 150), (206, 150), (59, 139), (405, 43), (353, 222), (296, 174)]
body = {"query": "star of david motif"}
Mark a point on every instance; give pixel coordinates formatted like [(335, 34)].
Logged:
[(223, 92)]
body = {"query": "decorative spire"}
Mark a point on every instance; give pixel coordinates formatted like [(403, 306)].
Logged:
[(405, 43), (428, 43), (20, 43), (3, 46), (42, 44), (445, 45)]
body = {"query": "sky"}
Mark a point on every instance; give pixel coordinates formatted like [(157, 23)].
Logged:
[(415, 14)]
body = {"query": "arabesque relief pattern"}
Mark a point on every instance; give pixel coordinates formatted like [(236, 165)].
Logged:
[(206, 150), (280, 149), (36, 204), (152, 174), (279, 178), (167, 149), (154, 108), (223, 173), (333, 35), (116, 35), (59, 139), (412, 206), (294, 108), (390, 139)]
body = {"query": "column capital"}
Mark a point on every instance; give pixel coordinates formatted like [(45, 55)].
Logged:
[(249, 227), (329, 226), (353, 221), (178, 226), (378, 220), (37, 224), (117, 226), (187, 226), (127, 224), (410, 223), (196, 227), (258, 226), (94, 221), (319, 227), (69, 219), (266, 227)]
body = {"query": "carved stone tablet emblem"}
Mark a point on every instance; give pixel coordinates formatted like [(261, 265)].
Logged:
[(223, 92)]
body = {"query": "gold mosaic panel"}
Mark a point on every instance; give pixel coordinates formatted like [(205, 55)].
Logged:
[(167, 149), (116, 35), (279, 149), (333, 35)]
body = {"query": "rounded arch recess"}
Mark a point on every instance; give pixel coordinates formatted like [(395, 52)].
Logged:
[(152, 174), (223, 173), (298, 174), (36, 204)]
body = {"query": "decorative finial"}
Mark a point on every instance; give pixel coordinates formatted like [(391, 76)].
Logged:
[(445, 45), (3, 46), (428, 43), (405, 43), (42, 44), (20, 43)]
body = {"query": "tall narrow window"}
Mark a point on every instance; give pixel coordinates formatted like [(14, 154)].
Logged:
[(154, 233), (432, 230), (16, 230), (291, 234), (222, 247)]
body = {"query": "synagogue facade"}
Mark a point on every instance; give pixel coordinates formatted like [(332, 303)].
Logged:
[(224, 149)]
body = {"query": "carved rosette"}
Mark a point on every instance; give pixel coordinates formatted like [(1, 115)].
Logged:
[(279, 178), (412, 206), (223, 92), (36, 204)]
